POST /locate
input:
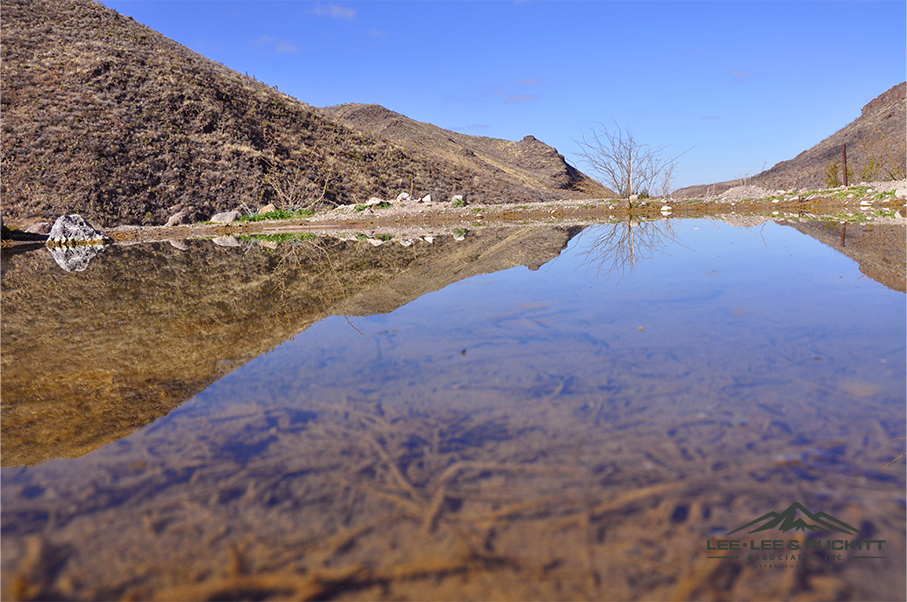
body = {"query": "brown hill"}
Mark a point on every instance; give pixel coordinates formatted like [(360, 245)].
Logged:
[(108, 118), (528, 162), (876, 151)]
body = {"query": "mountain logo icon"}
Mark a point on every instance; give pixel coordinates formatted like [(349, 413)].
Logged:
[(798, 518)]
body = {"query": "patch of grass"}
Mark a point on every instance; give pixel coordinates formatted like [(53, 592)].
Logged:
[(277, 214), (841, 216), (361, 236), (361, 207), (460, 232), (884, 195), (384, 237), (458, 203)]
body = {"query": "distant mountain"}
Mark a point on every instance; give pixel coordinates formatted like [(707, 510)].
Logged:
[(108, 118), (876, 151), (528, 162)]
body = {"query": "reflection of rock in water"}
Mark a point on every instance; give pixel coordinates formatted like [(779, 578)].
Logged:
[(75, 259)]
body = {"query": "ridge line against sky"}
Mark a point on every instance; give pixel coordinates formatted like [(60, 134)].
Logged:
[(745, 84)]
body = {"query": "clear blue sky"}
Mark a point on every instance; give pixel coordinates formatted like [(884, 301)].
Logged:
[(746, 84)]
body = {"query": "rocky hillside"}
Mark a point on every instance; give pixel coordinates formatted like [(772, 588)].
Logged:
[(528, 162), (876, 151), (108, 118)]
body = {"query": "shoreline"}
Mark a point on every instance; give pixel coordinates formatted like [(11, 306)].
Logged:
[(877, 204)]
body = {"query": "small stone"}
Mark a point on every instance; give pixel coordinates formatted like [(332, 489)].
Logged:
[(901, 193), (402, 198), (39, 228), (865, 203), (227, 241), (425, 199), (267, 208), (406, 242), (429, 239), (376, 242), (178, 244), (456, 198), (177, 219), (374, 201), (228, 217)]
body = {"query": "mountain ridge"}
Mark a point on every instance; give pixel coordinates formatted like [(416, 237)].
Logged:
[(108, 118), (876, 151)]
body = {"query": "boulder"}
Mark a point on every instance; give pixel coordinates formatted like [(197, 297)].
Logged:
[(178, 244), (901, 193), (227, 217), (374, 201), (73, 230), (75, 259), (402, 198), (425, 199), (267, 208)]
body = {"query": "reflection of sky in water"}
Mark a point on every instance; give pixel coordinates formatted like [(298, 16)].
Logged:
[(587, 426), (715, 314)]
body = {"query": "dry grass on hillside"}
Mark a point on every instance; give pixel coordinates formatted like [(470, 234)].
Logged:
[(108, 118)]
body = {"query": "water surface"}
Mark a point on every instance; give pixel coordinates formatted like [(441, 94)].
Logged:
[(587, 427)]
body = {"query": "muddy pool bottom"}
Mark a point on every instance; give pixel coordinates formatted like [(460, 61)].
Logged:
[(672, 434)]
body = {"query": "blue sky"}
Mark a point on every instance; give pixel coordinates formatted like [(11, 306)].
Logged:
[(744, 84)]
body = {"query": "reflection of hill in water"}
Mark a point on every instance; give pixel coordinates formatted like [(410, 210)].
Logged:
[(880, 249), (87, 358)]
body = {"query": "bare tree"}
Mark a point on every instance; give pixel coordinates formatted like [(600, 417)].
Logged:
[(626, 165)]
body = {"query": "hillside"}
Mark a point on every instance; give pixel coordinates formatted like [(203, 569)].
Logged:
[(876, 151), (108, 118), (528, 162)]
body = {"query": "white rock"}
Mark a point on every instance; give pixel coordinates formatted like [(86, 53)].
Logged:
[(72, 230), (227, 241), (406, 242), (901, 193), (426, 199), (429, 239), (865, 203), (402, 198), (666, 208), (374, 201), (376, 242), (456, 197), (227, 217), (267, 208)]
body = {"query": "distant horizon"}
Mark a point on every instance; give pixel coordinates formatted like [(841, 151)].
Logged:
[(746, 85)]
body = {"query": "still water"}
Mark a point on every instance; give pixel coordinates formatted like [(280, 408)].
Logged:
[(537, 413)]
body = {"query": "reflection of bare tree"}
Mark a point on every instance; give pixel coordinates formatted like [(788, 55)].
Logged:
[(617, 247)]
